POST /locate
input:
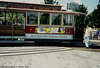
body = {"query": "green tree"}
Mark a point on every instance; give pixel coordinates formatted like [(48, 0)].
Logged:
[(51, 2), (89, 19), (80, 19), (94, 17), (48, 1)]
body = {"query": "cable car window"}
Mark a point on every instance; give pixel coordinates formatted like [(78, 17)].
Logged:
[(8, 18), (32, 18), (44, 18), (5, 20), (71, 20), (18, 21), (2, 18), (67, 20), (56, 19)]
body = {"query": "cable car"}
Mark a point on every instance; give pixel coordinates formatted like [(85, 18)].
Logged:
[(22, 22)]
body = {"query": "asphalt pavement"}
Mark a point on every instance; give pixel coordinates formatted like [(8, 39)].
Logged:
[(69, 57), (50, 55), (78, 46)]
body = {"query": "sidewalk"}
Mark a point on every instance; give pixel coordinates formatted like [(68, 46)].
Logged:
[(94, 42), (97, 41)]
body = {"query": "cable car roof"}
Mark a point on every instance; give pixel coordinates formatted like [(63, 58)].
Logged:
[(30, 3), (44, 11), (38, 10)]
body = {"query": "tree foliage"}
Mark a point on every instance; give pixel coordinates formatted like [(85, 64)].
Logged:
[(51, 2), (80, 19), (94, 17)]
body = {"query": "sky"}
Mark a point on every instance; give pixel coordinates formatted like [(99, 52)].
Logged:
[(90, 4)]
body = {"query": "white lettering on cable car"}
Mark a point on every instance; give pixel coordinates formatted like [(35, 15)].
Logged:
[(48, 36)]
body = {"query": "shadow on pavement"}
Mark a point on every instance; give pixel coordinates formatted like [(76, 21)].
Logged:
[(94, 46), (76, 46)]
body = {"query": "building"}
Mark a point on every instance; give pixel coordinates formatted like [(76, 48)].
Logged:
[(73, 5)]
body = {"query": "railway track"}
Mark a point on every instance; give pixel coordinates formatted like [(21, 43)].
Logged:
[(32, 51)]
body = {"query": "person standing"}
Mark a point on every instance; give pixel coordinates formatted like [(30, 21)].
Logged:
[(97, 33), (87, 36), (94, 33)]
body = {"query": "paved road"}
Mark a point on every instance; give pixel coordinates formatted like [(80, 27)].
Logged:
[(77, 46), (74, 58)]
